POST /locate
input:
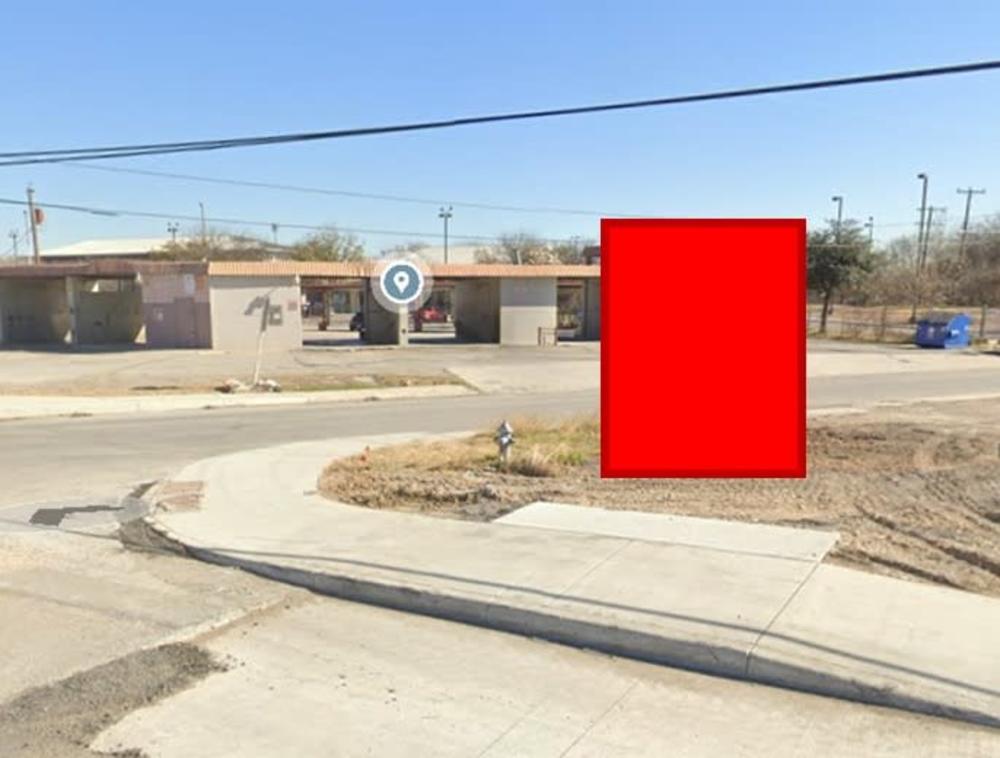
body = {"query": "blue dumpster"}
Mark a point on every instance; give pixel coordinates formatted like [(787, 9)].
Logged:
[(940, 329)]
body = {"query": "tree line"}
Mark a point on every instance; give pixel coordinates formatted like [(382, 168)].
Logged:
[(330, 244), (953, 269)]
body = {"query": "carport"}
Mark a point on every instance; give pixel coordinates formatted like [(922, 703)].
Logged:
[(496, 303), (94, 303)]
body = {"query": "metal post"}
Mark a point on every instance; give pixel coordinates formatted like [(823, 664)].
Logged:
[(930, 220), (968, 192), (445, 215), (33, 221), (923, 217), (265, 317)]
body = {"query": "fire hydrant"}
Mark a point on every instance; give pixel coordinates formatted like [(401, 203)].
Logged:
[(504, 438)]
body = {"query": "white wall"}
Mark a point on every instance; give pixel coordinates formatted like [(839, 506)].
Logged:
[(238, 305), (525, 306)]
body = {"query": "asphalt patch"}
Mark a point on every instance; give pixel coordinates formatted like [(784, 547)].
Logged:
[(55, 516), (60, 720)]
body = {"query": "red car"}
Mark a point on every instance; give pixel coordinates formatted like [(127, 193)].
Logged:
[(431, 314)]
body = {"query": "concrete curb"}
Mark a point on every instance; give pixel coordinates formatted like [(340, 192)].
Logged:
[(718, 660), (14, 407), (844, 673)]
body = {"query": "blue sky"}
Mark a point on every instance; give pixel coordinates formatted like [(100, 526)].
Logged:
[(113, 72)]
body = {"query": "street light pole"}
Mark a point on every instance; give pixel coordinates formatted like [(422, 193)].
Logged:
[(204, 229), (927, 231), (839, 200), (445, 215), (923, 217), (870, 226), (968, 192), (172, 228)]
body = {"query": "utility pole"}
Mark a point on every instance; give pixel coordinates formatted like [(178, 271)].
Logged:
[(923, 217), (839, 200), (274, 232), (927, 232), (33, 220), (204, 229), (870, 226), (445, 215), (172, 228), (968, 192)]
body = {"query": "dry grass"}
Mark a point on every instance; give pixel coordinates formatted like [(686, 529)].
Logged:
[(914, 493), (541, 449)]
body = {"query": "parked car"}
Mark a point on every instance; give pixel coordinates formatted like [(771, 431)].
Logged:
[(432, 314)]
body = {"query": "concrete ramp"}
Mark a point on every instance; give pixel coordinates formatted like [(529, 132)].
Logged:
[(731, 536)]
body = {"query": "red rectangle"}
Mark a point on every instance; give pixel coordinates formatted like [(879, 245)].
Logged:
[(703, 348)]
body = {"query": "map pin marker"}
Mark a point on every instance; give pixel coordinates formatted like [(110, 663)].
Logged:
[(402, 280)]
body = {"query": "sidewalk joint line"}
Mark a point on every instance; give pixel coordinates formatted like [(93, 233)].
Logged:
[(767, 628), (600, 718), (597, 565)]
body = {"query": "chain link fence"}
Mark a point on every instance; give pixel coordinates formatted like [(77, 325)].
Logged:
[(893, 323)]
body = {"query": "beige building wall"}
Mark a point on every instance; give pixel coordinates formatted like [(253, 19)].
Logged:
[(33, 310), (105, 311), (176, 310), (475, 307), (242, 305), (525, 306), (382, 326), (592, 309)]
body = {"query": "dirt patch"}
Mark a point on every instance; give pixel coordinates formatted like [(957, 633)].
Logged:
[(60, 720), (913, 494)]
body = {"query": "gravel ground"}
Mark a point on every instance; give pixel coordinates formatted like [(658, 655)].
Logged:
[(914, 492), (61, 719)]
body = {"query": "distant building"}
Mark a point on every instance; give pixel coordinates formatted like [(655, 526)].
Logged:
[(456, 253), (143, 248), (105, 249)]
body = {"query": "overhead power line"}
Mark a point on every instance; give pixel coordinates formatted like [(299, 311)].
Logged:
[(160, 148), (348, 193), (253, 222)]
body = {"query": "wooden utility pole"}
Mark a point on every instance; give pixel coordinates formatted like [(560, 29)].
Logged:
[(968, 192), (33, 223)]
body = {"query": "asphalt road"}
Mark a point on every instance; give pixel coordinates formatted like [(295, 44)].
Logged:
[(76, 577), (56, 459)]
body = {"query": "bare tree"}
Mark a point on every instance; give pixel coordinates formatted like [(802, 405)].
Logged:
[(979, 277), (328, 245), (526, 249), (216, 245), (405, 248)]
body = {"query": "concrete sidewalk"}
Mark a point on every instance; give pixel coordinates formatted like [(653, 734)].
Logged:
[(34, 406), (772, 615)]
